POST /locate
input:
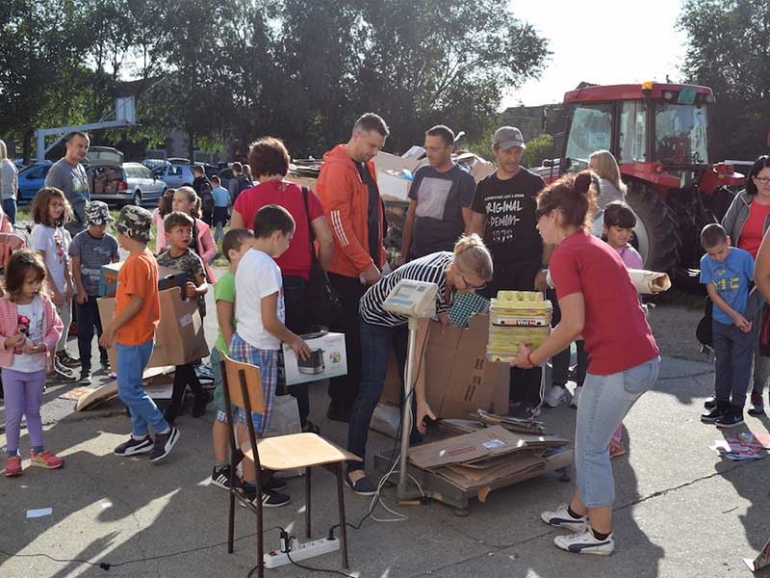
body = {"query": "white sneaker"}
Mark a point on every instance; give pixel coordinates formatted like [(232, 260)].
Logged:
[(555, 396), (585, 543), (560, 518), (576, 397)]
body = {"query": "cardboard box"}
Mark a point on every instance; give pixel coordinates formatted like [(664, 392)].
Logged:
[(179, 338), (459, 379), (327, 359), (167, 278)]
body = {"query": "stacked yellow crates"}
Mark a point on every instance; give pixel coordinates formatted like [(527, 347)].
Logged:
[(517, 317)]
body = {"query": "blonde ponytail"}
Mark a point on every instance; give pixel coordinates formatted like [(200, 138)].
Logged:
[(473, 257)]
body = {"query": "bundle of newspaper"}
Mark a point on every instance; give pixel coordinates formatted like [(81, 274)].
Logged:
[(517, 317)]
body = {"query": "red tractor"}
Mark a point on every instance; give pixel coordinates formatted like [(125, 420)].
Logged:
[(658, 133)]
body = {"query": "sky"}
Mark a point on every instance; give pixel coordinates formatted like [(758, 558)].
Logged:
[(602, 42)]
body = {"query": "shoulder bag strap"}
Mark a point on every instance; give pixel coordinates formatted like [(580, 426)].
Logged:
[(311, 233)]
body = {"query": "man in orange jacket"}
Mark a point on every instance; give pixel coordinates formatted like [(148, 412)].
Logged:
[(347, 187)]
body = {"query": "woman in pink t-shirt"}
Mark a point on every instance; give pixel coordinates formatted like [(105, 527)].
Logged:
[(599, 302)]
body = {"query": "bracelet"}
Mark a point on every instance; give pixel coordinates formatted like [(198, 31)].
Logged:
[(529, 360)]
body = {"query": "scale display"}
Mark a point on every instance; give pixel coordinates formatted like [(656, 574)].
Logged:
[(412, 299)]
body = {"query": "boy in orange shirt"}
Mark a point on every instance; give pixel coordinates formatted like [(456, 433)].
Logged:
[(133, 331)]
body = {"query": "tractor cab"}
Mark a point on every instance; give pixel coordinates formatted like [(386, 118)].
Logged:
[(658, 134)]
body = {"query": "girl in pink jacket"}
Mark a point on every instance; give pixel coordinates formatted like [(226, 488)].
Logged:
[(29, 330)]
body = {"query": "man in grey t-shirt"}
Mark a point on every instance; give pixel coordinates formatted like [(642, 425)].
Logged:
[(441, 196), (68, 175)]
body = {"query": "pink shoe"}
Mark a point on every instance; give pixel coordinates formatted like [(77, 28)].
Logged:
[(47, 460), (616, 449), (13, 466)]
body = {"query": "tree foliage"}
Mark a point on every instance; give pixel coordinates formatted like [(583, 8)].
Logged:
[(231, 70), (729, 50)]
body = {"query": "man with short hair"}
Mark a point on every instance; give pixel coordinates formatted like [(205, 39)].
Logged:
[(68, 175), (441, 195), (504, 214), (347, 188), (238, 183)]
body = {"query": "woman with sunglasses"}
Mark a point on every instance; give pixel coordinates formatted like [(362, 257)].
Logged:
[(467, 269), (746, 222), (595, 293)]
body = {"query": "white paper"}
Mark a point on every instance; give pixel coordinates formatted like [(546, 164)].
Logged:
[(39, 513)]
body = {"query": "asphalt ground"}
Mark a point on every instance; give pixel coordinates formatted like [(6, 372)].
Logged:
[(681, 511)]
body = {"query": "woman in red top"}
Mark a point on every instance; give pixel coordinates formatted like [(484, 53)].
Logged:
[(746, 222), (269, 161), (599, 302)]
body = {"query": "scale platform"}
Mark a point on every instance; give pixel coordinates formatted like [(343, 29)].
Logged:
[(442, 490)]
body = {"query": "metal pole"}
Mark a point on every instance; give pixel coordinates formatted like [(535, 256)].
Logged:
[(406, 419)]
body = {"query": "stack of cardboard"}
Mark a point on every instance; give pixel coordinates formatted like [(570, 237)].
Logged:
[(517, 317), (491, 456)]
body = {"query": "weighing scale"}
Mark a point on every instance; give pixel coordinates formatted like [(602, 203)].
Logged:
[(415, 300)]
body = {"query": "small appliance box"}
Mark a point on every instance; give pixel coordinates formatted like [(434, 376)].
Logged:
[(327, 359), (167, 278), (179, 338)]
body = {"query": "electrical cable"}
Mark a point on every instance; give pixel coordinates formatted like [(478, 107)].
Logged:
[(314, 569), (376, 499), (106, 565)]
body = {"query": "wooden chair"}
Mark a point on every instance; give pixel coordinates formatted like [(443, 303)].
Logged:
[(242, 385)]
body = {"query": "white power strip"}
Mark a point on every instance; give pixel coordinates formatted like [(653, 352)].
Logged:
[(299, 551)]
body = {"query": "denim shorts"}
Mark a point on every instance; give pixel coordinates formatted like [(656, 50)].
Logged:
[(604, 402)]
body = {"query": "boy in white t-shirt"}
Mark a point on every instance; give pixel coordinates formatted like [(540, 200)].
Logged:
[(259, 316)]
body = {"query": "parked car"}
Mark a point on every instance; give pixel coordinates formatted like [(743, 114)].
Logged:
[(153, 164), (175, 176), (32, 179), (124, 184)]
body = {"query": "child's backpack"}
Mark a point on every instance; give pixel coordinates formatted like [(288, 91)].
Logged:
[(243, 184), (207, 198)]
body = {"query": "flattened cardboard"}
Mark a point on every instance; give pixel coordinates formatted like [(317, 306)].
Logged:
[(472, 447), (179, 338), (458, 378)]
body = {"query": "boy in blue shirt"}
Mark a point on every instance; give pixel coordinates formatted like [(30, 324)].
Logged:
[(727, 272), (221, 202)]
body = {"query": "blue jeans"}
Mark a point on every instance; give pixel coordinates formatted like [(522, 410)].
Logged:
[(376, 342), (734, 351), (9, 208), (132, 359), (605, 401)]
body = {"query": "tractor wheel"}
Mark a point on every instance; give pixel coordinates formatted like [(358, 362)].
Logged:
[(657, 233)]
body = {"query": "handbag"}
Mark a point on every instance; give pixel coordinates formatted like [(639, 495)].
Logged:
[(324, 305)]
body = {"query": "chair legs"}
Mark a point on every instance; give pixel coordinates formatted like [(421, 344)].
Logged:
[(343, 523), (231, 520), (307, 502), (260, 536)]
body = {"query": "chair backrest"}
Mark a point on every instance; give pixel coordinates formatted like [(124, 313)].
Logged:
[(252, 379)]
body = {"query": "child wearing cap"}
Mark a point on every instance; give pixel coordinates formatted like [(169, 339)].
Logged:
[(90, 249), (132, 329)]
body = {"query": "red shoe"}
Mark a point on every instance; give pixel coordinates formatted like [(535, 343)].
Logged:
[(13, 466), (47, 460)]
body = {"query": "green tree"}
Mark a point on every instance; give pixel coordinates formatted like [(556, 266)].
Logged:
[(729, 50), (538, 149)]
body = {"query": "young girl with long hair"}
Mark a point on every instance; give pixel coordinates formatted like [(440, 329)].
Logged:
[(50, 212), (29, 330)]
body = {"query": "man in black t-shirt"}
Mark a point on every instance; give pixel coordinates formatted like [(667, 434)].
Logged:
[(503, 213)]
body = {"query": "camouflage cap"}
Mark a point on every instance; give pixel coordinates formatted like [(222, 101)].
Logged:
[(134, 222), (97, 213)]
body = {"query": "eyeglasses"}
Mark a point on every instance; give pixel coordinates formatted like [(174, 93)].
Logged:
[(763, 180), (469, 285)]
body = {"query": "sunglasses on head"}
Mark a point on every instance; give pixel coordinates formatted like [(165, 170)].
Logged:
[(542, 211)]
